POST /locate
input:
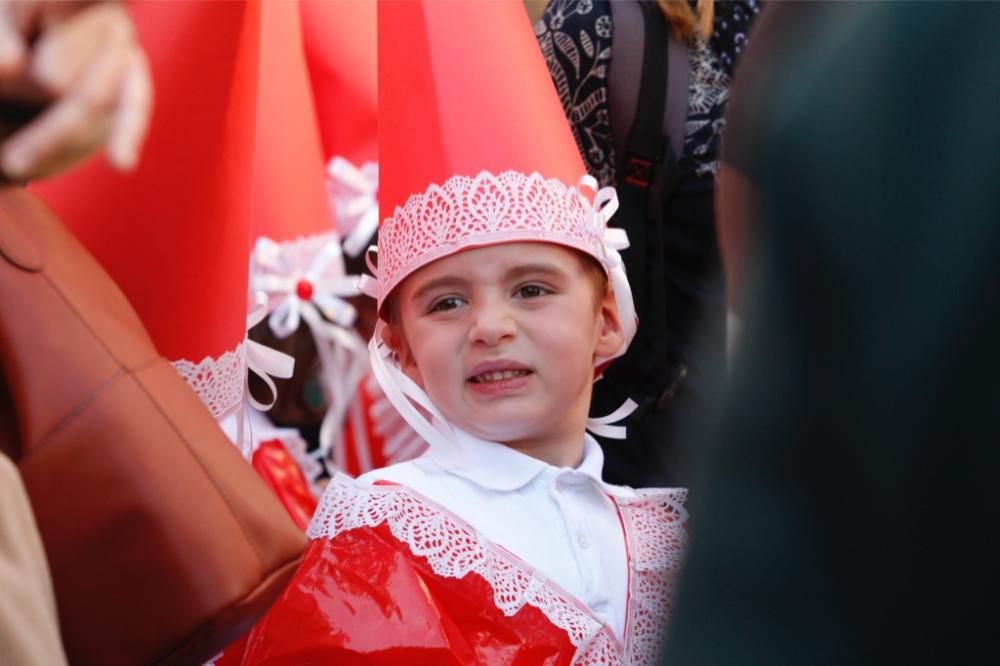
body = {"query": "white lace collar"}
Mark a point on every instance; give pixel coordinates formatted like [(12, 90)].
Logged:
[(654, 522)]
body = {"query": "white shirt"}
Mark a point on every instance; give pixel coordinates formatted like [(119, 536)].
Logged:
[(559, 520)]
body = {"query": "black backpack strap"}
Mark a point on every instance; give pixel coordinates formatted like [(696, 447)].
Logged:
[(648, 164), (646, 145)]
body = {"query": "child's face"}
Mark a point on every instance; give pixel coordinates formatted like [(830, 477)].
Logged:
[(503, 339)]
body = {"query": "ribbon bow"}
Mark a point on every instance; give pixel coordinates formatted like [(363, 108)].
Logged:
[(354, 199), (315, 294), (304, 293), (613, 239), (264, 361)]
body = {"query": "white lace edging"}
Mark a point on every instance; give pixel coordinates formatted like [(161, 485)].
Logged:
[(468, 211), (219, 382), (655, 530), (453, 549)]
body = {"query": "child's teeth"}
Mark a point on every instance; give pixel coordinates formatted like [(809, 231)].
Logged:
[(499, 375)]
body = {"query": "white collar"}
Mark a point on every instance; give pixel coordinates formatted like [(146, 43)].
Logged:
[(495, 466)]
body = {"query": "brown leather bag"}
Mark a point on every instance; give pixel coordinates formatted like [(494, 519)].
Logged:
[(163, 543)]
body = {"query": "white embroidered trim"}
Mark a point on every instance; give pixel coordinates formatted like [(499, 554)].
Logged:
[(467, 211), (453, 549), (657, 539), (219, 382)]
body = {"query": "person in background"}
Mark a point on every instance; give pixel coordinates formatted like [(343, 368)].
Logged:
[(29, 627), (847, 502), (644, 86)]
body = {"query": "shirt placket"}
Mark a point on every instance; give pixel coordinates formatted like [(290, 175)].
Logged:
[(570, 493)]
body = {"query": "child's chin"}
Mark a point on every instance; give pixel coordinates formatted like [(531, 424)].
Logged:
[(499, 430)]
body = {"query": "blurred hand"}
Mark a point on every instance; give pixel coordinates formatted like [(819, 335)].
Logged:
[(80, 63)]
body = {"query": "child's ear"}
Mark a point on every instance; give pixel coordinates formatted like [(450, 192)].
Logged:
[(610, 335), (392, 335)]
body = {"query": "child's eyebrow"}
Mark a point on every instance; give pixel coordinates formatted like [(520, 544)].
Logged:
[(548, 270), (447, 281)]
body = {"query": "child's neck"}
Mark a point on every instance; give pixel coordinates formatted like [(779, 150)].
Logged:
[(564, 451)]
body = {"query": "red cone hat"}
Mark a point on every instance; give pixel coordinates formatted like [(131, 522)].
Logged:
[(463, 88), (297, 260), (339, 40), (474, 147), (289, 192), (175, 234), (475, 150)]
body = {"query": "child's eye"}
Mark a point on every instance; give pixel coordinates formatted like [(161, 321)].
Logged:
[(446, 304), (530, 291)]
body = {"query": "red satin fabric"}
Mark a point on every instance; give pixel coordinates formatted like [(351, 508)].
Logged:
[(175, 234), (285, 479), (363, 598)]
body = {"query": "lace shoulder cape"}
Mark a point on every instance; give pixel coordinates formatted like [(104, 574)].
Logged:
[(655, 531)]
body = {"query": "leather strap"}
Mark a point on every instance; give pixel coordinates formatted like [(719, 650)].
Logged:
[(15, 246)]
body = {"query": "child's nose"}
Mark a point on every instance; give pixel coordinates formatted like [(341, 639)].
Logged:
[(492, 325)]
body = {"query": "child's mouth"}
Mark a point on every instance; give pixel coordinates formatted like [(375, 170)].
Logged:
[(498, 376)]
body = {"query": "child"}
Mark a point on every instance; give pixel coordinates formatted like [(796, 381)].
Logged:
[(500, 293)]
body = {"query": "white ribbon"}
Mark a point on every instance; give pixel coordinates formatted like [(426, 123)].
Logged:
[(343, 364), (406, 396), (264, 361), (613, 239), (368, 284), (354, 199), (602, 425)]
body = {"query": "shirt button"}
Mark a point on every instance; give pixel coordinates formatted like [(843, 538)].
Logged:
[(582, 539)]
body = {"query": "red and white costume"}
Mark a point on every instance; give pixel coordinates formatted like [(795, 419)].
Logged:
[(317, 120), (296, 259), (394, 576), (340, 48), (475, 553)]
